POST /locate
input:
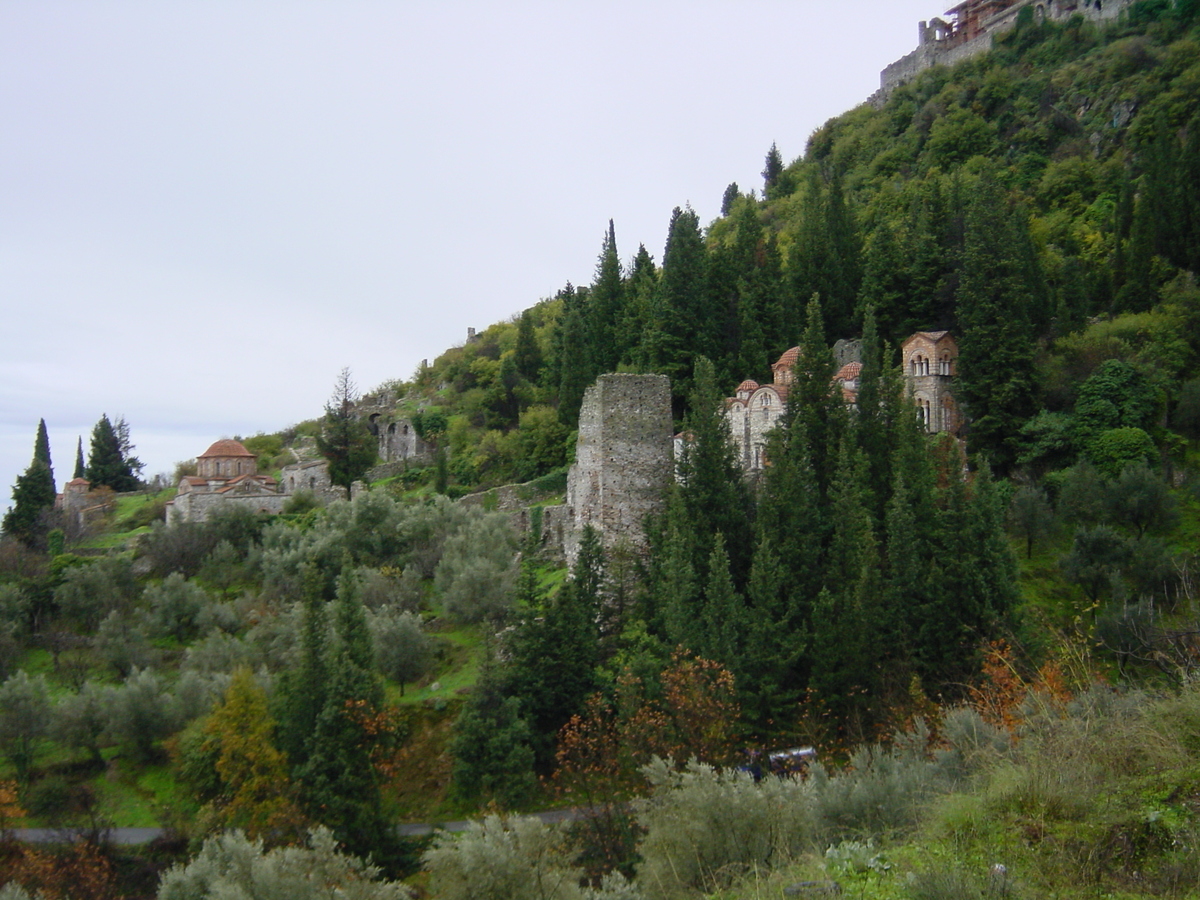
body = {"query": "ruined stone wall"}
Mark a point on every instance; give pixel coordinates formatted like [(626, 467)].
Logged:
[(937, 47), (196, 506), (623, 458), (311, 476)]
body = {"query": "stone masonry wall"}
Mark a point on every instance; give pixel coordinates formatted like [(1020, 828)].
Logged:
[(623, 458), (952, 49)]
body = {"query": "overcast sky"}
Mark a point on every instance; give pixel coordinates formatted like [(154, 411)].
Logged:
[(207, 209)]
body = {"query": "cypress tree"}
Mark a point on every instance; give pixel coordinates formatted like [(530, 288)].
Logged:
[(606, 301), (729, 197), (996, 377), (713, 489), (528, 355), (41, 449), (813, 400), (885, 288), (80, 467), (724, 613), (33, 496), (672, 577), (846, 627), (576, 370), (553, 658), (339, 782), (640, 314), (303, 689), (685, 326)]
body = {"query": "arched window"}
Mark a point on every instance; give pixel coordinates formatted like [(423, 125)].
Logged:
[(945, 364)]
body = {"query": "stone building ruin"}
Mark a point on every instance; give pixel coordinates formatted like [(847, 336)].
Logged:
[(970, 28), (397, 437), (623, 459)]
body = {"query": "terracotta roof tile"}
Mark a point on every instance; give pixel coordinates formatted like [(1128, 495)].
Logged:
[(224, 449), (788, 360), (849, 372), (748, 385)]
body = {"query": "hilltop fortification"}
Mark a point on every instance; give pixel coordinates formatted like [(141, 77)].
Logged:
[(970, 27)]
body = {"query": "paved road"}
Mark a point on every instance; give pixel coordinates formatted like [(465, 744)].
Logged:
[(131, 836)]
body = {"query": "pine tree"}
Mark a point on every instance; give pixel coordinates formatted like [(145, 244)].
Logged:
[(729, 197), (772, 172), (344, 439), (109, 464)]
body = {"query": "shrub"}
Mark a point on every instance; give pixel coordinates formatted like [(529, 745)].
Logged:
[(515, 859), (705, 826), (231, 865), (882, 790)]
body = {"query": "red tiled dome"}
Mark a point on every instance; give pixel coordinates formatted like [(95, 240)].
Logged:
[(849, 372), (224, 449), (748, 385), (788, 359)]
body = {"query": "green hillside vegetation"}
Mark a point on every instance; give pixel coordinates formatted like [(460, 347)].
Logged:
[(990, 646)]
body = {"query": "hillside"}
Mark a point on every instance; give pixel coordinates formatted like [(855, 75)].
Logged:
[(976, 605)]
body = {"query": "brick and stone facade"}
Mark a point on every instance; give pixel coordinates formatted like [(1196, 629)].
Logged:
[(930, 361), (227, 473)]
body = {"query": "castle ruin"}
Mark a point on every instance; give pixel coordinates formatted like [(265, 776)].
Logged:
[(970, 28)]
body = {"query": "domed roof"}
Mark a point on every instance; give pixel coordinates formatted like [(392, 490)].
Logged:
[(788, 360), (849, 372), (225, 449), (748, 385)]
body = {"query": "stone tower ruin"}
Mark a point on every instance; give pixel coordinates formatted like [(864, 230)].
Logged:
[(623, 458)]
